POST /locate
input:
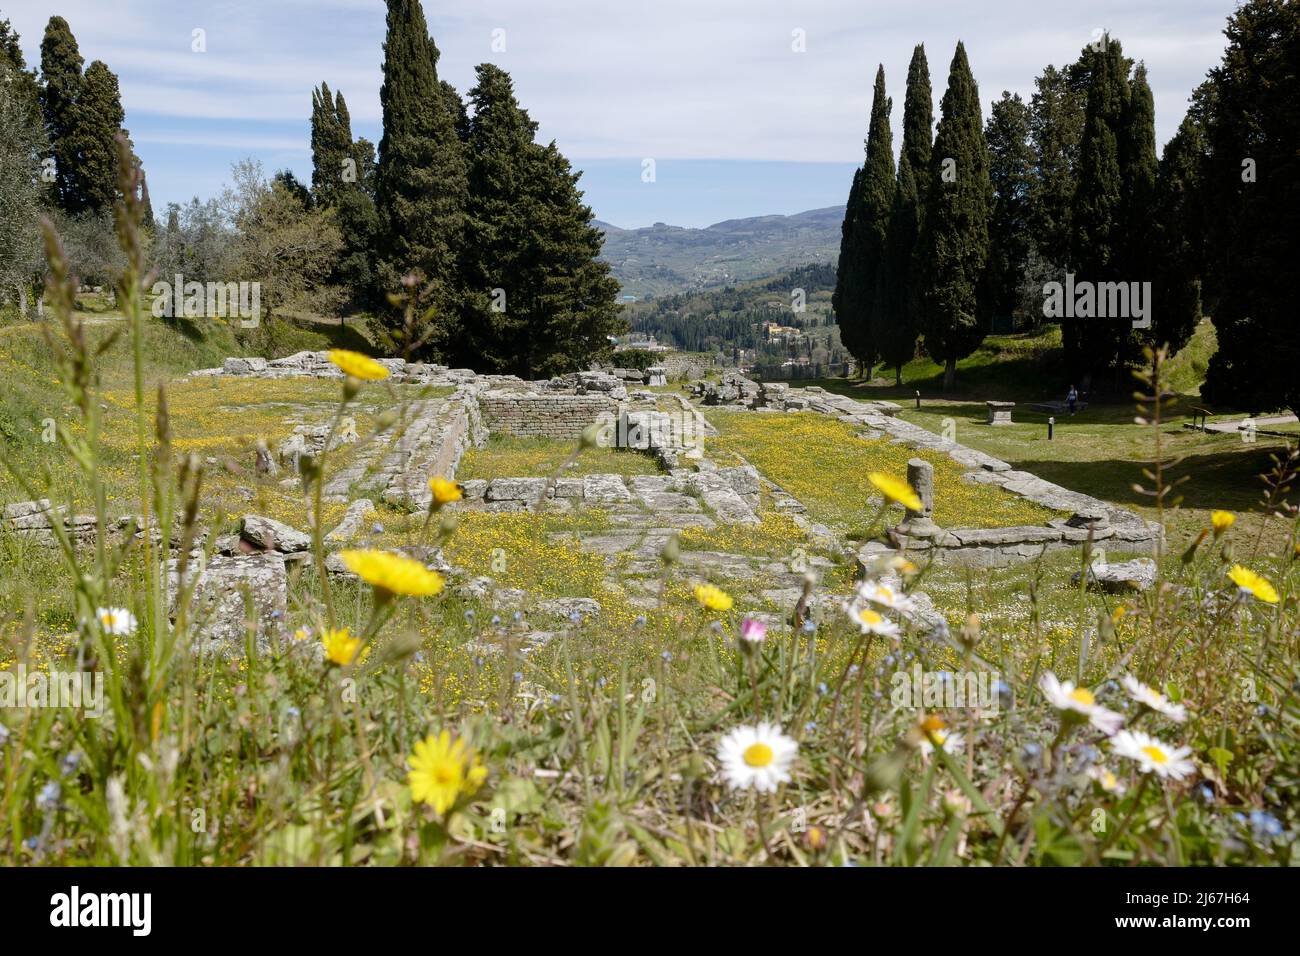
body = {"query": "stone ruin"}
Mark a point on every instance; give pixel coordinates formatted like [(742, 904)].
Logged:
[(252, 568)]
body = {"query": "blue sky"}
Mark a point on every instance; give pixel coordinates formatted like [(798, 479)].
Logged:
[(738, 121)]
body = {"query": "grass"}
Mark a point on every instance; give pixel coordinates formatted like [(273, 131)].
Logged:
[(837, 490), (514, 457), (601, 746), (1102, 452)]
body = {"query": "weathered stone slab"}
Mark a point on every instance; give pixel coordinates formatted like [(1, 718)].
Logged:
[(267, 534), (222, 588)]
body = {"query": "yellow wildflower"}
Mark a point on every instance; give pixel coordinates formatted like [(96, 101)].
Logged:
[(442, 769), (1254, 585), (358, 365), (1222, 521), (444, 491), (340, 646), (895, 489), (713, 598), (393, 573)]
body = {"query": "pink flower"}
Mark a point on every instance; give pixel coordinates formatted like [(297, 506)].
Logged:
[(753, 630)]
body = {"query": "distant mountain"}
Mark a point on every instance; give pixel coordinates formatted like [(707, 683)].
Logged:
[(661, 260)]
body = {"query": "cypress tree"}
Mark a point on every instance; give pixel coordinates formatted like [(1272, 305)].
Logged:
[(1097, 223), (100, 117), (877, 202), (62, 82), (421, 186), (326, 157), (842, 303), (1056, 126), (1011, 172), (1252, 204), (1138, 172), (21, 81), (955, 232), (1177, 232), (897, 338), (860, 310), (540, 303)]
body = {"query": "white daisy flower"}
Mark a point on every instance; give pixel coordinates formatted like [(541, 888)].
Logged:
[(1152, 698), (117, 621), (757, 757), (1106, 779), (1068, 699), (871, 621), (882, 595), (1152, 755), (950, 742)]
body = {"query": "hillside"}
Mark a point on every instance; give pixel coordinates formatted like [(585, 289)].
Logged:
[(661, 259)]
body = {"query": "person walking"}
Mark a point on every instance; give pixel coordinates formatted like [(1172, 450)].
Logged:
[(1072, 397)]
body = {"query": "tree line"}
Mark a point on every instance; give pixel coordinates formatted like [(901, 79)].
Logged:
[(994, 219), (462, 237), (483, 227)]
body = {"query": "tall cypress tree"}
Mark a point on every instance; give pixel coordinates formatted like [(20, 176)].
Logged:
[(877, 200), (955, 233), (62, 82), (541, 303), (1251, 197), (1056, 126), (1138, 171), (1177, 234), (861, 304), (1097, 220), (100, 117), (1011, 171), (897, 336), (421, 188), (842, 301), (21, 81), (330, 146)]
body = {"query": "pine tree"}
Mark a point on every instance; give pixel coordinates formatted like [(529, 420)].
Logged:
[(62, 83), (897, 337), (421, 187), (540, 302), (100, 117), (1252, 204), (1094, 344), (1011, 171), (955, 231)]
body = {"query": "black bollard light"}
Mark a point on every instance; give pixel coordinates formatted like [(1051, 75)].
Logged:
[(1051, 423), (918, 399)]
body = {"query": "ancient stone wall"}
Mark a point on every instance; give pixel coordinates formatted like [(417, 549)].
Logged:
[(543, 416)]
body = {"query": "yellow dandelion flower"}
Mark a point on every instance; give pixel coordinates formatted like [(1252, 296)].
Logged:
[(358, 365), (713, 598), (1222, 521), (340, 646), (442, 769), (444, 491), (895, 489), (393, 573), (1254, 585)]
